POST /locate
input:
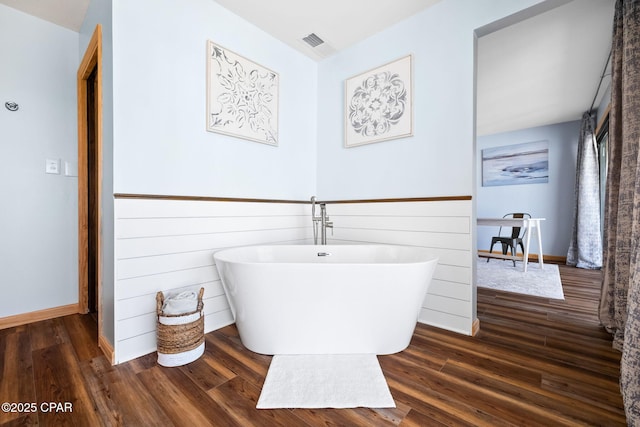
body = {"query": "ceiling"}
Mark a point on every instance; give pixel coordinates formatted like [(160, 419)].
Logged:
[(545, 69), (334, 21), (66, 13), (540, 71)]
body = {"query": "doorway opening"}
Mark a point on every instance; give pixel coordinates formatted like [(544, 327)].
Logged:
[(89, 85)]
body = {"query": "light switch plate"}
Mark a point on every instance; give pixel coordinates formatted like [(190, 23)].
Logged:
[(52, 166)]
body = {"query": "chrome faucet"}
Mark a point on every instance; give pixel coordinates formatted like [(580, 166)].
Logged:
[(322, 220)]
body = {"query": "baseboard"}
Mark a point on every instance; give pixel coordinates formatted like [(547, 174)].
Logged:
[(475, 327), (37, 316), (553, 259), (107, 349)]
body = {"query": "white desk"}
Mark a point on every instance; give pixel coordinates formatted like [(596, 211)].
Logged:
[(529, 224)]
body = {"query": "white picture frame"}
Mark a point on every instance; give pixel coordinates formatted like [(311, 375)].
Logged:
[(242, 96), (379, 104)]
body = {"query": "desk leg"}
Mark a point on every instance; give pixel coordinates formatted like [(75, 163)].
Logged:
[(539, 234), (527, 242)]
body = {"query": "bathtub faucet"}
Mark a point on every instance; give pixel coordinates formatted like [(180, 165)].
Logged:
[(322, 221)]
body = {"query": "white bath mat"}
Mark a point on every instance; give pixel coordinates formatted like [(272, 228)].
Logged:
[(502, 275), (325, 381)]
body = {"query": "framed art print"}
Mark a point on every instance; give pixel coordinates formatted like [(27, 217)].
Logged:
[(242, 96), (526, 163), (378, 104)]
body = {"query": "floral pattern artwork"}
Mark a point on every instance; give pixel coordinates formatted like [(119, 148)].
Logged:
[(242, 97), (378, 104)]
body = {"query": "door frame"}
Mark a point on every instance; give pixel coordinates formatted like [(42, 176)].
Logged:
[(92, 59)]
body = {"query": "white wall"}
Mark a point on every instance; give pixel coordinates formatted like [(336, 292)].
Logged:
[(38, 217), (168, 246), (552, 200), (161, 145), (444, 226), (439, 158)]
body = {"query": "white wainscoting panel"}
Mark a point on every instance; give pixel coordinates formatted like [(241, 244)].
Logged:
[(168, 245), (444, 226)]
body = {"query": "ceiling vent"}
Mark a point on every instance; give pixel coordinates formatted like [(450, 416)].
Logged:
[(313, 40), (315, 47)]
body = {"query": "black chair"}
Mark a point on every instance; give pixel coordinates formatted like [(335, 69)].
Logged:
[(512, 241)]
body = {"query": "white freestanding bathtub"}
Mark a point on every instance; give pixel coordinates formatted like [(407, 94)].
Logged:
[(333, 299)]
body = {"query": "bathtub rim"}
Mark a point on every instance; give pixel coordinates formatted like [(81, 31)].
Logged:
[(431, 255)]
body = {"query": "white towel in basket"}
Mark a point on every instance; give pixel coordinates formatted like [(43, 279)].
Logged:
[(184, 302)]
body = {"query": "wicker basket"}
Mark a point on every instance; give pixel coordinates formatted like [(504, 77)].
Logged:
[(180, 337)]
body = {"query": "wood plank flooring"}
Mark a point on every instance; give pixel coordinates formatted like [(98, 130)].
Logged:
[(535, 362)]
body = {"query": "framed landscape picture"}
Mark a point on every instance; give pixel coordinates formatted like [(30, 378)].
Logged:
[(242, 96), (526, 163)]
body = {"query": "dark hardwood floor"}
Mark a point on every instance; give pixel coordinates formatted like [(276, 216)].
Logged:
[(535, 362)]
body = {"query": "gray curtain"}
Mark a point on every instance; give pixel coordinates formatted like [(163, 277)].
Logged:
[(620, 299), (585, 248)]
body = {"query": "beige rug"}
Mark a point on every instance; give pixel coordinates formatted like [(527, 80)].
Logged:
[(502, 275), (325, 381)]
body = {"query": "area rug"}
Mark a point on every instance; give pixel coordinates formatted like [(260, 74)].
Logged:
[(325, 381), (502, 275)]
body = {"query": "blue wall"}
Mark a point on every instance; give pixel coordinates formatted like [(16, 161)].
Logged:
[(438, 160), (161, 145), (552, 200), (38, 225)]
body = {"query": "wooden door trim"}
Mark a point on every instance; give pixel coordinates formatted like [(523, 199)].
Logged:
[(92, 59)]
